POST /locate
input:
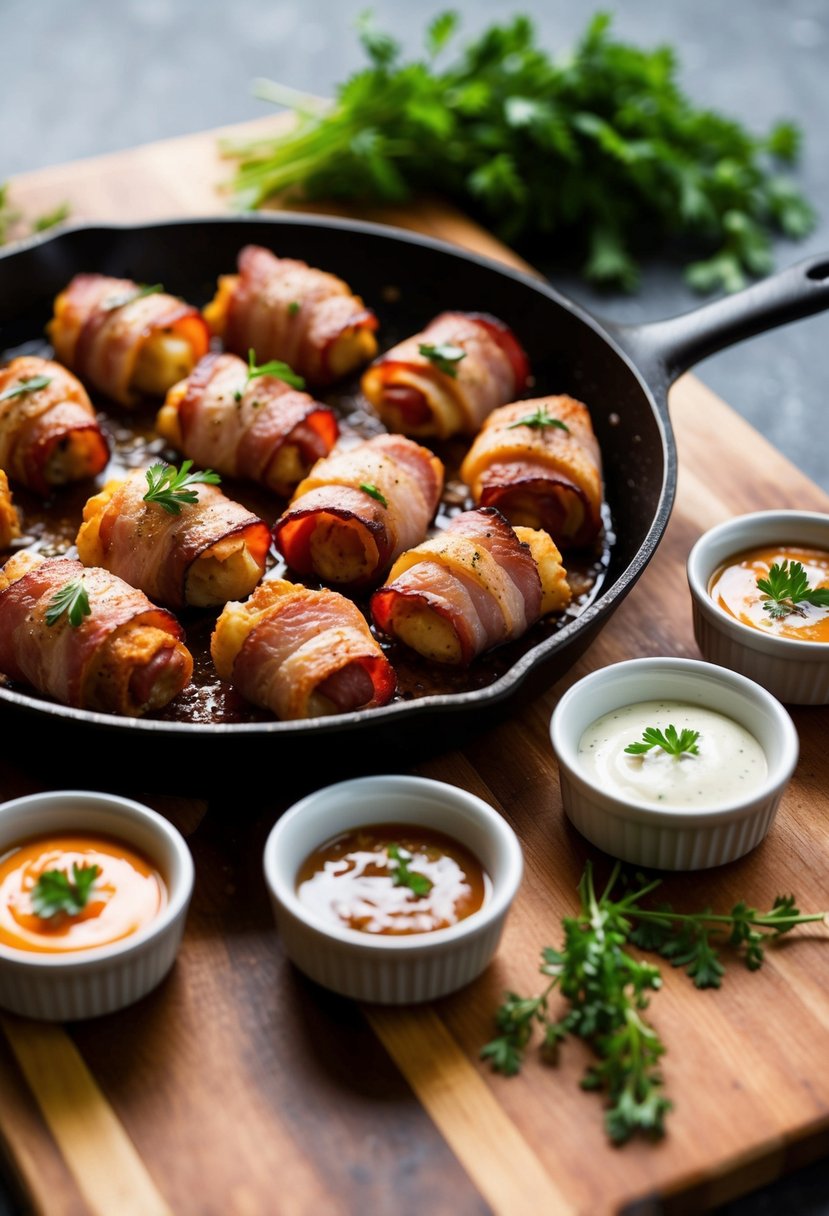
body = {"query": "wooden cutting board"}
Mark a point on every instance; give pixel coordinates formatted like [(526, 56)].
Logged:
[(240, 1089)]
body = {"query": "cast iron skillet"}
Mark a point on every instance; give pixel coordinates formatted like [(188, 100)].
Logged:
[(623, 373)]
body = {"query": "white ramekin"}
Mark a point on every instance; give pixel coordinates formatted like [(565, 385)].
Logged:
[(662, 837), (391, 970), (796, 672), (88, 983)]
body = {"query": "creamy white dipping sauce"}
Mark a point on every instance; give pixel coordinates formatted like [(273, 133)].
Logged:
[(730, 762)]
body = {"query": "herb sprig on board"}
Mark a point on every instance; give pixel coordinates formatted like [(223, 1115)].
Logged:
[(596, 150), (787, 587), (608, 990), (171, 488)]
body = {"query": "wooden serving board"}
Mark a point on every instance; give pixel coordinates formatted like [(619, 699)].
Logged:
[(240, 1089)]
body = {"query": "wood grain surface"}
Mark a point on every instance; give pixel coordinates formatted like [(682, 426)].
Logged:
[(240, 1089)]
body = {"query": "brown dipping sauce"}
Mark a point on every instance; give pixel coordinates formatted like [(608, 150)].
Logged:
[(350, 881), (734, 590)]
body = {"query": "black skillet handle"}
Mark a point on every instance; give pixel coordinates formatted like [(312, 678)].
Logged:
[(663, 350)]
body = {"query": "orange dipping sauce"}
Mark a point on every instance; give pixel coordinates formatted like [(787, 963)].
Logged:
[(126, 895), (733, 588), (350, 881)]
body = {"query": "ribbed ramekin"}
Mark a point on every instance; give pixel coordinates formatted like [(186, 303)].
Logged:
[(795, 672), (391, 970), (662, 837), (88, 983)]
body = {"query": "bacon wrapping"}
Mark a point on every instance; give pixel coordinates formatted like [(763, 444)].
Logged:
[(124, 340), (261, 430), (447, 379), (301, 653), (284, 309), (212, 551), (475, 585), (49, 435), (359, 508), (9, 519), (125, 656), (537, 472)]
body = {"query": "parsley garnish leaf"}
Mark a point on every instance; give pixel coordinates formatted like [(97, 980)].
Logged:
[(169, 486), (368, 487), (275, 367), (71, 599), (28, 384), (445, 356), (402, 876), (539, 421), (671, 741), (55, 892), (787, 587), (127, 297)]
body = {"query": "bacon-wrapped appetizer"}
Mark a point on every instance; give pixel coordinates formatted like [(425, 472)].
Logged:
[(359, 508), (88, 639), (539, 463), (445, 380), (247, 424), (301, 653), (176, 536), (49, 434), (125, 339), (285, 309), (9, 519), (475, 585)]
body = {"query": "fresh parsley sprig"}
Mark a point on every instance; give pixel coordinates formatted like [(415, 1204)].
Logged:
[(169, 487), (71, 599), (541, 419), (56, 892), (402, 876), (128, 297), (593, 149), (275, 367), (787, 587), (28, 384), (445, 356), (608, 990), (671, 741)]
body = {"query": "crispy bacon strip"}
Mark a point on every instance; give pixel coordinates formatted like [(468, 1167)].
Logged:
[(301, 653), (359, 508), (213, 551), (425, 396), (50, 435), (262, 430), (123, 343), (125, 657), (475, 585), (540, 475), (284, 309)]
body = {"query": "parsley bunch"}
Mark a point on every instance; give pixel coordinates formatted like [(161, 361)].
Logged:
[(597, 150), (786, 588), (607, 990)]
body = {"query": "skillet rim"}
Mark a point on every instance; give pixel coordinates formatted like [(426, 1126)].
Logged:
[(508, 684)]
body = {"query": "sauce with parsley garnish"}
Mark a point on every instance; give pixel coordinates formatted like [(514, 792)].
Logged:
[(73, 892), (392, 879), (734, 589)]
